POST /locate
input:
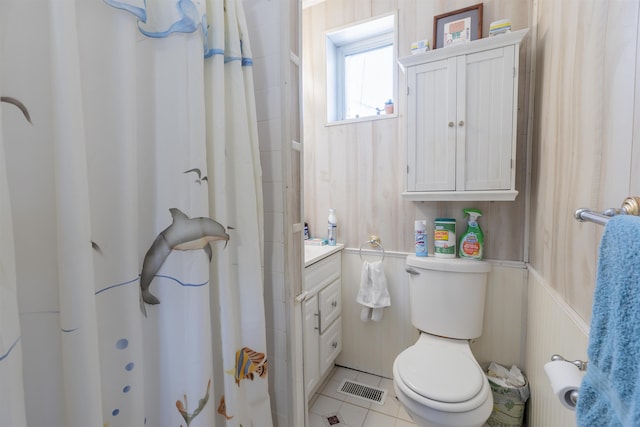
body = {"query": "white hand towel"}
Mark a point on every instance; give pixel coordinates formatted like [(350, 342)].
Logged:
[(373, 293)]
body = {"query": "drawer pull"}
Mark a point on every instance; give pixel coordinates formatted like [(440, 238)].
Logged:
[(334, 303), (334, 344), (318, 323)]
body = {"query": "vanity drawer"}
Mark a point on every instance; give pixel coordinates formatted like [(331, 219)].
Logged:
[(330, 304), (330, 345), (323, 272)]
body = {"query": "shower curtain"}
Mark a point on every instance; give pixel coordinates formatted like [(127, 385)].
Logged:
[(131, 231)]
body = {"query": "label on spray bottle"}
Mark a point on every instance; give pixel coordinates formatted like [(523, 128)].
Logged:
[(470, 246), (421, 238)]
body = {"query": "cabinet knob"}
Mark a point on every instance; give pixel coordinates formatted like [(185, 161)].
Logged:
[(334, 303), (461, 123), (334, 344), (450, 124)]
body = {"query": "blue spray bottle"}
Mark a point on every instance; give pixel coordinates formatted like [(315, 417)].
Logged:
[(421, 237)]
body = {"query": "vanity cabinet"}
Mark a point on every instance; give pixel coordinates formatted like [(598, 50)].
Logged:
[(461, 120), (322, 319)]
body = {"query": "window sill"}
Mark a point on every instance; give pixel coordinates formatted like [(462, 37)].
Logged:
[(362, 119)]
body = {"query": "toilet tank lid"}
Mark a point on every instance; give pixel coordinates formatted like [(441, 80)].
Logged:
[(449, 264)]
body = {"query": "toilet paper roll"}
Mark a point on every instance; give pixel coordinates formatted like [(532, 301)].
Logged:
[(565, 379)]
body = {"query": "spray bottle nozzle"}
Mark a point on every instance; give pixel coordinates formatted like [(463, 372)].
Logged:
[(473, 214)]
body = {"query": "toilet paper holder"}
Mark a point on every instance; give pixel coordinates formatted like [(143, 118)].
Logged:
[(580, 364), (568, 395)]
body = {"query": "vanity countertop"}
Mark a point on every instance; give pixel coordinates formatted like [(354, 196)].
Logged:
[(314, 254)]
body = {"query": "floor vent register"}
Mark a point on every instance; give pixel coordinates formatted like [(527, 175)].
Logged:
[(363, 391)]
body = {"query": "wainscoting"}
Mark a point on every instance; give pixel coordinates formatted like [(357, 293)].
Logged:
[(552, 327)]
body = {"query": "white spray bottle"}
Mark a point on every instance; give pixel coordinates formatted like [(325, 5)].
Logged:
[(332, 226)]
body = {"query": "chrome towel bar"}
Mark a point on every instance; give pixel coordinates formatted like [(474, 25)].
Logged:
[(630, 206)]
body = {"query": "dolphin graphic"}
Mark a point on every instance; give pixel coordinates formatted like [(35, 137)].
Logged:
[(184, 234)]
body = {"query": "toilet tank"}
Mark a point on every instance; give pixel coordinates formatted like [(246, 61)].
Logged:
[(447, 295)]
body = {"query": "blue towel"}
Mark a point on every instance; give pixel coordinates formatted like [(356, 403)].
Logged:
[(610, 390)]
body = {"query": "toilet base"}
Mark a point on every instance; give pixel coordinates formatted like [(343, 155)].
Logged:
[(428, 417)]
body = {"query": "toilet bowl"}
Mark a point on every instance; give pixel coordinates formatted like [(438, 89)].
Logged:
[(438, 380), (440, 384)]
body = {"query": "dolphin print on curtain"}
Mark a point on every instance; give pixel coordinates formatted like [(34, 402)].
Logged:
[(131, 229)]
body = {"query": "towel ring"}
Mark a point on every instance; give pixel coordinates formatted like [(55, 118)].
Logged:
[(373, 241)]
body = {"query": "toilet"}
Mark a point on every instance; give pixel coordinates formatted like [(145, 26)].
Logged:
[(437, 380)]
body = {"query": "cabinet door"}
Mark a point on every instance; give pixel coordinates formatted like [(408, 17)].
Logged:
[(485, 120), (431, 130), (311, 349)]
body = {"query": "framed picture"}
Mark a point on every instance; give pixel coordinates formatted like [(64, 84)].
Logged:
[(458, 26)]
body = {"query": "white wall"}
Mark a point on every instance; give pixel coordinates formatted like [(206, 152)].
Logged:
[(359, 167)]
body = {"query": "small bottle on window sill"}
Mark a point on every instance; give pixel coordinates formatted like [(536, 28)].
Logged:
[(388, 107)]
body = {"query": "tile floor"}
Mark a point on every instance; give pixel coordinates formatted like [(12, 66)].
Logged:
[(330, 408)]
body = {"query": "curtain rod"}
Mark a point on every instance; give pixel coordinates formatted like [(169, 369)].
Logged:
[(630, 206)]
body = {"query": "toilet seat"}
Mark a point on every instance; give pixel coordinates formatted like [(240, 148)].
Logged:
[(441, 374)]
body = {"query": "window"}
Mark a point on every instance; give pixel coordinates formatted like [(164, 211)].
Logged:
[(360, 69)]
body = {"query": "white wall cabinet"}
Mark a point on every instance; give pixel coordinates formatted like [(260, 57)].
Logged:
[(461, 120), (322, 319)]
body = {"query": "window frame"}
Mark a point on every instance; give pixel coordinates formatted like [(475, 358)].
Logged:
[(355, 38)]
